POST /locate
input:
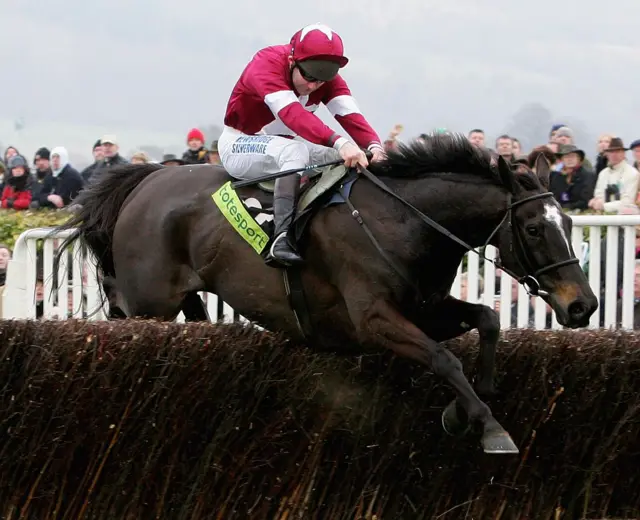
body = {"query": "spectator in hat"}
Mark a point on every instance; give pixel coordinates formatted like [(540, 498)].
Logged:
[(62, 185), (111, 157), (617, 185), (41, 160), (111, 151), (214, 156), (10, 151), (196, 153), (170, 159), (553, 141), (98, 156), (17, 191), (564, 135), (573, 185), (554, 130)]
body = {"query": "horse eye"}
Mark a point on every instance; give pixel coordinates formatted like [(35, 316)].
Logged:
[(533, 231)]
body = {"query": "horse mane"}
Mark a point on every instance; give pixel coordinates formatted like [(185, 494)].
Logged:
[(449, 155)]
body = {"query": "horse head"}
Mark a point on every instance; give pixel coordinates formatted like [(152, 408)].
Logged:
[(534, 243)]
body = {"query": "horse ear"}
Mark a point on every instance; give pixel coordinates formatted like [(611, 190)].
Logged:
[(507, 176), (543, 170)]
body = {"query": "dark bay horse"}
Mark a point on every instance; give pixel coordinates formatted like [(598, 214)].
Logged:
[(157, 233)]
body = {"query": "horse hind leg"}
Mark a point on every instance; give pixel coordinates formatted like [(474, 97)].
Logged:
[(194, 308)]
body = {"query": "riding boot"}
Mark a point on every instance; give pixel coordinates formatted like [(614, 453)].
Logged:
[(285, 199)]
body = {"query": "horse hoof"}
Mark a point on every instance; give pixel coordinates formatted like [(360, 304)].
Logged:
[(499, 442), (452, 423)]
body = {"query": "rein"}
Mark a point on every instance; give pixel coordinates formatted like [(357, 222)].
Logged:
[(529, 281)]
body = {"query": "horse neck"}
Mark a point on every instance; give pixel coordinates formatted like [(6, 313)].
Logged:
[(470, 211)]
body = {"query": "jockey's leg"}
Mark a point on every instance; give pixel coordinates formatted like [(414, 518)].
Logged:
[(285, 199), (284, 249), (248, 157)]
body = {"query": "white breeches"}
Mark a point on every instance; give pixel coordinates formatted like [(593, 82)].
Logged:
[(249, 156)]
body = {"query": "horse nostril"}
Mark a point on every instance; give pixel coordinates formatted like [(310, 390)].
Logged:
[(577, 310)]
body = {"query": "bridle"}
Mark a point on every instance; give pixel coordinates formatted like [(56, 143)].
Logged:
[(523, 255)]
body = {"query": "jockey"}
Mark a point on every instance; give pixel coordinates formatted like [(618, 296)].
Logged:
[(274, 102)]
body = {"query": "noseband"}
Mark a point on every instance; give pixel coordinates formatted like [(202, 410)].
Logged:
[(523, 255)]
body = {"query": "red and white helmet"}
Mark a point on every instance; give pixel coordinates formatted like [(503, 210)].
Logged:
[(319, 51)]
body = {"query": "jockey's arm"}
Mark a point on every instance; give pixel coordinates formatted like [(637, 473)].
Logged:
[(284, 104), (344, 108)]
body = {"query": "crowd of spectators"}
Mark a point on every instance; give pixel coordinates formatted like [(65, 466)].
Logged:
[(52, 182), (605, 183)]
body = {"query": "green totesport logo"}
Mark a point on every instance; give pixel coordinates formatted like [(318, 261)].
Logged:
[(234, 211)]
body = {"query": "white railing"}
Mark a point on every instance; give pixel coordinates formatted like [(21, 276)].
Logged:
[(22, 292), (515, 306), (590, 254)]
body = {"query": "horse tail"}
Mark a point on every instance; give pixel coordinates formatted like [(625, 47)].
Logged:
[(99, 206)]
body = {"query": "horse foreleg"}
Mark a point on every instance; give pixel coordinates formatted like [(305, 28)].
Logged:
[(454, 317), (380, 324)]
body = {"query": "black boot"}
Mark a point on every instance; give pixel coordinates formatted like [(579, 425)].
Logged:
[(285, 199)]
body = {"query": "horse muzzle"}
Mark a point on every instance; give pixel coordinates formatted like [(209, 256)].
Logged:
[(573, 305)]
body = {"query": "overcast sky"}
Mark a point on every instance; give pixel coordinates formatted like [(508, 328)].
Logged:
[(152, 69)]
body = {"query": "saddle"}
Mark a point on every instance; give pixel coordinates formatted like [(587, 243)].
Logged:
[(313, 185), (320, 188)]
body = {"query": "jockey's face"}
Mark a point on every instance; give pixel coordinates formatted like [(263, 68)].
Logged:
[(303, 85)]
